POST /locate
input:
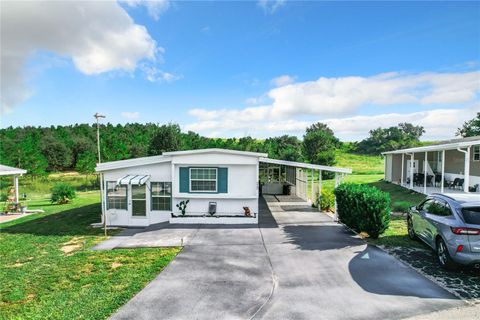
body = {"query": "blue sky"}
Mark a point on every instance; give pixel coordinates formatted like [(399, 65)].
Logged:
[(245, 68)]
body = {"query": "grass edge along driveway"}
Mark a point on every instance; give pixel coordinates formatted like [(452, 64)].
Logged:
[(48, 271)]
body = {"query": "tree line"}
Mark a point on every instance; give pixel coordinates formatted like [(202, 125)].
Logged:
[(57, 148)]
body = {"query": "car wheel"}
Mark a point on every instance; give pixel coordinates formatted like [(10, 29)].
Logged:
[(411, 231), (444, 256)]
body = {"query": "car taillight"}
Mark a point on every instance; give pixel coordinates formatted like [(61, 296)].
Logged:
[(466, 231)]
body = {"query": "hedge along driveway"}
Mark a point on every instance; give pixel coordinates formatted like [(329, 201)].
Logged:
[(48, 271), (363, 208)]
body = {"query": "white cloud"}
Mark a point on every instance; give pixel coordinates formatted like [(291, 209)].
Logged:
[(154, 74), (270, 6), (155, 8), (130, 115), (98, 36), (343, 96), (438, 123), (282, 80), (337, 102)]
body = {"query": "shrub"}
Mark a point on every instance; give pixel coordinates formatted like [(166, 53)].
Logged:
[(62, 193), (363, 208), (326, 201), (401, 206)]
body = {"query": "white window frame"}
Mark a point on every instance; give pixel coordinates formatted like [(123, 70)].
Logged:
[(476, 150), (107, 196), (160, 196), (202, 191)]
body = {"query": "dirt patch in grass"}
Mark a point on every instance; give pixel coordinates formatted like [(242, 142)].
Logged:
[(73, 245), (115, 265)]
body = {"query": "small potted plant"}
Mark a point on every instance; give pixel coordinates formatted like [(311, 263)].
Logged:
[(182, 206)]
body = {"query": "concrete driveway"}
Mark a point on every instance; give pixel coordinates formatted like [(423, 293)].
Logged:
[(297, 264)]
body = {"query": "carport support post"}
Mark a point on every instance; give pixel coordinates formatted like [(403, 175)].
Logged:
[(466, 182), (319, 190), (443, 172), (305, 178), (15, 182), (313, 186), (412, 158), (425, 164), (403, 163), (335, 216)]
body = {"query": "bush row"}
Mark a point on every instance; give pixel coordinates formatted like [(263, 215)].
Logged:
[(363, 208)]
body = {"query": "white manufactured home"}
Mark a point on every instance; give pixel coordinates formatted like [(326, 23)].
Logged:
[(446, 167), (221, 186)]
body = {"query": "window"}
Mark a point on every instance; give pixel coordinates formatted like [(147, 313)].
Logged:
[(476, 153), (440, 208), (116, 196), (471, 215), (426, 205), (161, 196), (203, 179)]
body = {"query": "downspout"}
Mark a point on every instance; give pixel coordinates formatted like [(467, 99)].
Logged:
[(466, 182)]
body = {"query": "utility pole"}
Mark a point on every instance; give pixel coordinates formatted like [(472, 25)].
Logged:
[(104, 216), (98, 116)]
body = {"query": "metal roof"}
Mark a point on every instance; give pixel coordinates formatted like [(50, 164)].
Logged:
[(216, 150), (439, 147), (105, 166), (167, 157), (306, 165), (6, 170)]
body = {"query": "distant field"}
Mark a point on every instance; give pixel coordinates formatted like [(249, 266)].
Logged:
[(360, 164), (39, 187)]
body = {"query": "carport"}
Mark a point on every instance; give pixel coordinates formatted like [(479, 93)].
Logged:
[(15, 173), (303, 180)]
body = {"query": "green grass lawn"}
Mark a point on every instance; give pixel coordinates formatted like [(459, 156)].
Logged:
[(360, 164), (48, 271)]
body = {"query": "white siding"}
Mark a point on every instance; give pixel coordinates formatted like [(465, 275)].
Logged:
[(159, 173)]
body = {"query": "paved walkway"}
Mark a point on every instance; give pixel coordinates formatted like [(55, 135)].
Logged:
[(297, 264)]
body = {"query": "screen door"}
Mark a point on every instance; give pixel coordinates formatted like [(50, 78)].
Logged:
[(139, 201)]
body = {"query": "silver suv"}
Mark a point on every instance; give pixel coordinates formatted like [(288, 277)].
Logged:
[(450, 224)]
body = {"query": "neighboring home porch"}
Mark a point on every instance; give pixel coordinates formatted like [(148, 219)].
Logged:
[(448, 167)]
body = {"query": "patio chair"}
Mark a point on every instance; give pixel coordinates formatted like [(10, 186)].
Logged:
[(453, 184), (429, 180), (459, 184), (438, 179), (419, 179)]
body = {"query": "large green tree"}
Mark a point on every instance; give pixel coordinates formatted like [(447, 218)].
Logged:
[(166, 138), (285, 147), (470, 128), (319, 144), (58, 155), (405, 135)]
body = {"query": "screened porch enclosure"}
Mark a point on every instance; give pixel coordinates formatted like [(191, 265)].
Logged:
[(303, 180)]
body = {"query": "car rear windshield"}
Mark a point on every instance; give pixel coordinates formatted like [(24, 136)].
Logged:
[(471, 215)]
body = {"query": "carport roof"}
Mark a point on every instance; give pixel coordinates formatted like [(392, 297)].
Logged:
[(7, 171), (306, 165)]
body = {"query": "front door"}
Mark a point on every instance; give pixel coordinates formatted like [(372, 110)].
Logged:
[(138, 207), (415, 167)]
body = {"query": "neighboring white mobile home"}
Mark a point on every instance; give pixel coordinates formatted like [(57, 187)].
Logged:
[(221, 186), (448, 166)]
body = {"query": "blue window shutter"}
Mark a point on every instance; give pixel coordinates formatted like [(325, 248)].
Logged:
[(222, 180), (184, 179)]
